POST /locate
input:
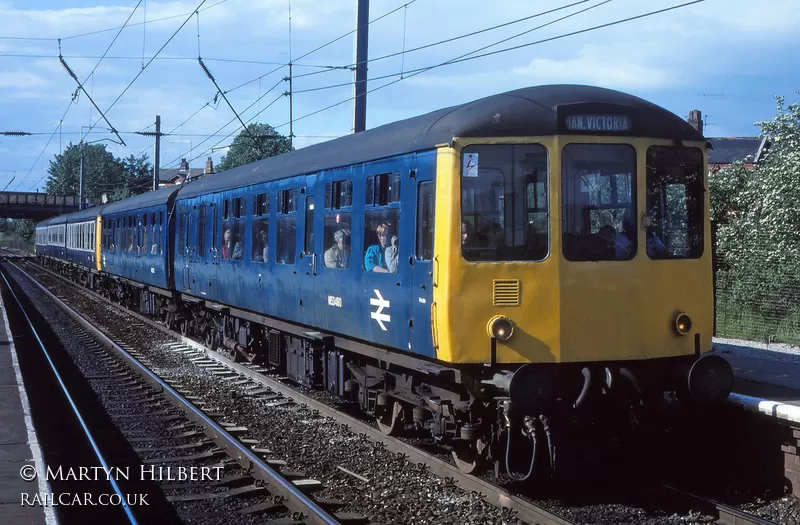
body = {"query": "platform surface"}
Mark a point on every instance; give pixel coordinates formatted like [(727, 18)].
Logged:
[(767, 371), (18, 443)]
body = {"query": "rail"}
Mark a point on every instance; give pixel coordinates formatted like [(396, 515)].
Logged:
[(294, 498)]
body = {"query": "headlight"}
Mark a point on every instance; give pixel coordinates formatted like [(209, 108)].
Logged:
[(683, 324), (500, 327)]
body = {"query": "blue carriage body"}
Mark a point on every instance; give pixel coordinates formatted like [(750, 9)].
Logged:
[(136, 239)]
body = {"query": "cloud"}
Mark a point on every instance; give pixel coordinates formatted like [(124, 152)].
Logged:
[(604, 71), (21, 80)]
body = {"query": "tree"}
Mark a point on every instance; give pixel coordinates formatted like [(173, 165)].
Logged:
[(259, 141), (102, 173), (758, 240), (136, 177)]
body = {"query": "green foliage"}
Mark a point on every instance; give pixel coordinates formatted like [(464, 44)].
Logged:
[(102, 173), (18, 234), (260, 141), (758, 240)]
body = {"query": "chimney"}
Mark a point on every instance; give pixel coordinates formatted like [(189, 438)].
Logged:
[(184, 165), (696, 120), (209, 166)]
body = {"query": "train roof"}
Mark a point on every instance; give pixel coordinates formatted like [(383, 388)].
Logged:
[(144, 200), (86, 213), (532, 111), (44, 222)]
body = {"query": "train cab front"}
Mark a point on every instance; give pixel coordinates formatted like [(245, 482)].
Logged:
[(578, 282)]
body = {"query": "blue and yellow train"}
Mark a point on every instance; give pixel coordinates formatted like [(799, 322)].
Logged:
[(502, 267)]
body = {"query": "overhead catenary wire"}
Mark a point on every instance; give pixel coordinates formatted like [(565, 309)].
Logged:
[(505, 50), (233, 119), (426, 68), (219, 90), (74, 97), (208, 150), (153, 58), (350, 83), (318, 48), (459, 37)]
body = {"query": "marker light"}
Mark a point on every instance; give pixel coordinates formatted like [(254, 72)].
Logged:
[(500, 327), (683, 324)]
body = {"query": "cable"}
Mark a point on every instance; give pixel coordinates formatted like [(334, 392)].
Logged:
[(229, 60), (237, 129), (45, 147), (114, 40), (466, 35), (141, 23), (230, 121), (151, 60), (462, 59), (354, 30), (418, 70), (219, 90), (280, 66)]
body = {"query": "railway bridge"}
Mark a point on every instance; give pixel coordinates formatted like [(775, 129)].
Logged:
[(38, 206)]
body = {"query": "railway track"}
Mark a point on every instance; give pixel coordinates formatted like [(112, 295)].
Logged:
[(253, 378), (178, 442)]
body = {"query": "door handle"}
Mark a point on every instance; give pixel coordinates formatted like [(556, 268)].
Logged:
[(314, 264)]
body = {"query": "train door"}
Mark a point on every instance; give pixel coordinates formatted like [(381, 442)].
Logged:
[(422, 261), (310, 256), (182, 248), (335, 284), (202, 257)]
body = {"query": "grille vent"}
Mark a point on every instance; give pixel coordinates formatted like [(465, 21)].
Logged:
[(505, 292)]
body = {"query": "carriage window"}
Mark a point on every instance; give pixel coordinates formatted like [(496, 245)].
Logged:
[(337, 240), (674, 202), (499, 221), (286, 239), (181, 232), (232, 239), (261, 205), (309, 240), (381, 240), (286, 234), (260, 243), (338, 194), (383, 189), (425, 215), (201, 231), (160, 233), (145, 237), (599, 189)]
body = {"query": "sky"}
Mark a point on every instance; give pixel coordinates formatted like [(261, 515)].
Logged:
[(728, 58)]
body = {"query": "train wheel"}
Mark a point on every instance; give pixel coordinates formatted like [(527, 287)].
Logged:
[(391, 422), (211, 339), (470, 458)]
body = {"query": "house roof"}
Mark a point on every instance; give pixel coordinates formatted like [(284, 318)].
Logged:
[(726, 150), (532, 111), (165, 174)]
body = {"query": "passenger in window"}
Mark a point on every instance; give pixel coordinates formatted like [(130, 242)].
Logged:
[(231, 250), (494, 235), (392, 255), (467, 234), (375, 258), (263, 235), (338, 255)]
